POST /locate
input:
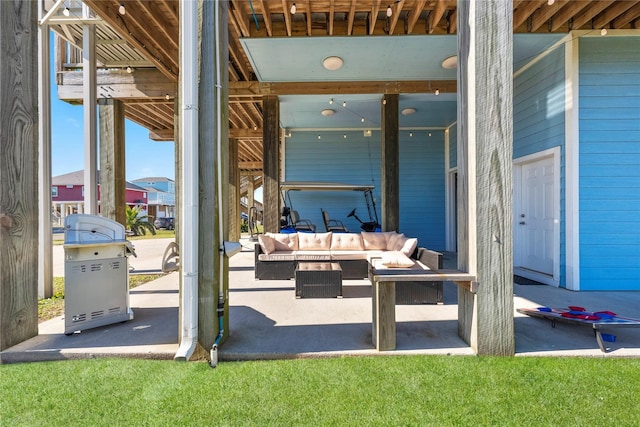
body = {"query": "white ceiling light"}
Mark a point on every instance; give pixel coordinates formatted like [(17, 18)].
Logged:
[(408, 111), (332, 63), (328, 112), (450, 63), (293, 9), (389, 11), (122, 9)]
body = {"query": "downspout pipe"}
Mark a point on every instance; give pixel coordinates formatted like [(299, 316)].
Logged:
[(189, 175), (218, 85)]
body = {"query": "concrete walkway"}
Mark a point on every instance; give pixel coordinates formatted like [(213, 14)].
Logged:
[(268, 322)]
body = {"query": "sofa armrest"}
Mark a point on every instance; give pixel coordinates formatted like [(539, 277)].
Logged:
[(431, 259), (257, 252)]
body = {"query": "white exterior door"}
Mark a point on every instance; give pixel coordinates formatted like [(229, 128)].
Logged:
[(536, 220)]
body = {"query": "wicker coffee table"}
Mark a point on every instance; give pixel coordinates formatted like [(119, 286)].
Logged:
[(318, 280)]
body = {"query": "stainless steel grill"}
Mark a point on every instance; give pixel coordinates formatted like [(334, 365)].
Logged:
[(96, 273)]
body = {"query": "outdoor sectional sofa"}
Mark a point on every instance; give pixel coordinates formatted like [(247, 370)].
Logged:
[(277, 254)]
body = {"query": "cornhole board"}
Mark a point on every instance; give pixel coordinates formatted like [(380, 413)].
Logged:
[(555, 315)]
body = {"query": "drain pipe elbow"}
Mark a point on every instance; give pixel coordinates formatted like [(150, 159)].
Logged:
[(213, 356)]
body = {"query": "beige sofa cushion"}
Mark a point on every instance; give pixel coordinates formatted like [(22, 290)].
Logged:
[(284, 241), (395, 259), (314, 241), (349, 255), (395, 242), (346, 242), (374, 241)]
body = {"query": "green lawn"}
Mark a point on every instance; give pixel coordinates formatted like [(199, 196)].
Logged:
[(408, 391)]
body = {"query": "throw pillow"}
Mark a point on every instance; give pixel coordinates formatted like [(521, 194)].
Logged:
[(396, 259), (266, 244)]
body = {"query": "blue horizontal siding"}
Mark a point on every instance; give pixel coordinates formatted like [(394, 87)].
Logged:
[(609, 163), (422, 189), (356, 160)]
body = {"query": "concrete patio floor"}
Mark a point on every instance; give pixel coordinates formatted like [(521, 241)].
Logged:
[(268, 322)]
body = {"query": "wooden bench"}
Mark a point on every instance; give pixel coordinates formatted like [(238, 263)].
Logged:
[(383, 295)]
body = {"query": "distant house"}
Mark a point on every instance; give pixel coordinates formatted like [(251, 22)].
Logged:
[(67, 195), (162, 195)]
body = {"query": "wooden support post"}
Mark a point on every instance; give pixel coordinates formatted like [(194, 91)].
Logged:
[(234, 191), (383, 327), (113, 191), (390, 163), (213, 274), (89, 105), (18, 173), (485, 145), (250, 198), (271, 163)]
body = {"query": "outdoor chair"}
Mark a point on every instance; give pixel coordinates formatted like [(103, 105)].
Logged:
[(301, 224), (333, 224)]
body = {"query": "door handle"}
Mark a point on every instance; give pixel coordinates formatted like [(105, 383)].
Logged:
[(521, 223)]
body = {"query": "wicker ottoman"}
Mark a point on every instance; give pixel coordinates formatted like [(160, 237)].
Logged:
[(318, 280)]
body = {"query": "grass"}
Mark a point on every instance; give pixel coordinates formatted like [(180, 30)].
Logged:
[(161, 233), (48, 308), (408, 391)]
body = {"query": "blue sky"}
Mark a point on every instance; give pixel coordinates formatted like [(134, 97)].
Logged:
[(144, 157)]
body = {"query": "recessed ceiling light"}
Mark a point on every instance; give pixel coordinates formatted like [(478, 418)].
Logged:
[(328, 112), (408, 111), (450, 63), (332, 63)]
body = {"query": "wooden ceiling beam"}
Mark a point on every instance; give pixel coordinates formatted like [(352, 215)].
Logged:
[(161, 134), (168, 29), (240, 89), (332, 12), (612, 12), (627, 17), (308, 18), (266, 16), (287, 17), (373, 15), (525, 10), (351, 17), (436, 15), (453, 22), (236, 56), (414, 15), (587, 14), (543, 14), (238, 15), (250, 165), (245, 133), (567, 12), (397, 9), (108, 11)]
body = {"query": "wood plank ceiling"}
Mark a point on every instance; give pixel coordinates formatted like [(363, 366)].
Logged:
[(151, 28)]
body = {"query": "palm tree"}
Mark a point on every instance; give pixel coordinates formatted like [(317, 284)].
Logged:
[(138, 224)]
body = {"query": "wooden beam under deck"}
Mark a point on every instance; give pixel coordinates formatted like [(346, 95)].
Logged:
[(153, 85)]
